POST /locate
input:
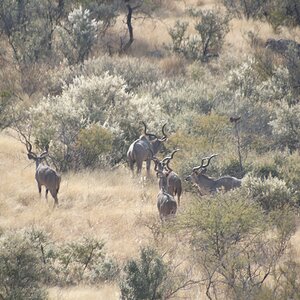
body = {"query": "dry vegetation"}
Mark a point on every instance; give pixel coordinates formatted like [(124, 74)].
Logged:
[(108, 203)]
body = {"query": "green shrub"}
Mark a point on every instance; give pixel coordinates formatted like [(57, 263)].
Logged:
[(144, 278), (286, 126), (93, 142), (234, 243), (21, 269), (271, 193), (211, 28)]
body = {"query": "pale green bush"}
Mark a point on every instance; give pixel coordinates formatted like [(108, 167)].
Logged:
[(211, 28), (286, 126), (88, 100), (233, 243), (78, 35), (21, 270), (144, 278), (270, 193)]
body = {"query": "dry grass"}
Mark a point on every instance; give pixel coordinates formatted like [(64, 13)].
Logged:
[(105, 292), (106, 205), (102, 204)]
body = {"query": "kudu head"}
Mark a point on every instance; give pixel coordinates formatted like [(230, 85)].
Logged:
[(34, 156), (155, 141), (199, 170), (165, 162)]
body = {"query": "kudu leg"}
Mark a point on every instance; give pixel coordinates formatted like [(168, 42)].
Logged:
[(131, 166), (46, 194), (139, 167), (148, 165), (54, 195), (40, 189)]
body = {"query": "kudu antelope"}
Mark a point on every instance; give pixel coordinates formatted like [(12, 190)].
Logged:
[(141, 149), (166, 203), (174, 186), (44, 175), (209, 185)]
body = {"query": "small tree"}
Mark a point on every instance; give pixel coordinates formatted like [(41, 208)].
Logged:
[(144, 278), (230, 239), (79, 35), (211, 28)]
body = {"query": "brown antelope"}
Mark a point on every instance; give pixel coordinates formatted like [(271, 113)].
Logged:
[(173, 181), (141, 149), (209, 185), (166, 203), (44, 175)]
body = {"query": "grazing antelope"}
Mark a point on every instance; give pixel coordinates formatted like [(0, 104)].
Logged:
[(44, 175), (141, 149), (166, 203), (209, 185), (173, 181)]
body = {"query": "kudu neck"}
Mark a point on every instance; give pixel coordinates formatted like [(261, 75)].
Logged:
[(37, 163), (156, 145), (163, 184)]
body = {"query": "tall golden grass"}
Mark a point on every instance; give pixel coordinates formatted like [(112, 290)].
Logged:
[(110, 205)]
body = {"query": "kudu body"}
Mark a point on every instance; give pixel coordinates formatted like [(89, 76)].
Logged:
[(141, 149), (208, 185), (44, 175), (174, 185), (166, 204)]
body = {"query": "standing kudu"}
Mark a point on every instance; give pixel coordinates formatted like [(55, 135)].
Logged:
[(166, 203), (44, 175), (209, 185), (141, 149), (173, 181)]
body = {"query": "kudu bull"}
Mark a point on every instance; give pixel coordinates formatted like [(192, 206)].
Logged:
[(44, 175), (209, 185), (141, 149), (166, 203), (174, 186)]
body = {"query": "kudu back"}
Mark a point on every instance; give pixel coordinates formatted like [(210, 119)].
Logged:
[(208, 185), (140, 150), (174, 185), (166, 204), (44, 175)]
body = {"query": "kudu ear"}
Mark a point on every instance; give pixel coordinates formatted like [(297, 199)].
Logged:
[(203, 171), (31, 156), (44, 155)]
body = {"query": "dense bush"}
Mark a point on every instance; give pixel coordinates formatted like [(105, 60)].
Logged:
[(144, 278), (21, 270), (286, 126), (211, 28), (78, 35), (270, 193), (234, 243)]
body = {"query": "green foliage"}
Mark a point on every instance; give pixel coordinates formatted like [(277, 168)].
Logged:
[(6, 102), (271, 193), (93, 142), (266, 170), (286, 126), (234, 243), (21, 270), (177, 34), (289, 168), (78, 259), (247, 8), (80, 36), (144, 278), (211, 29)]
